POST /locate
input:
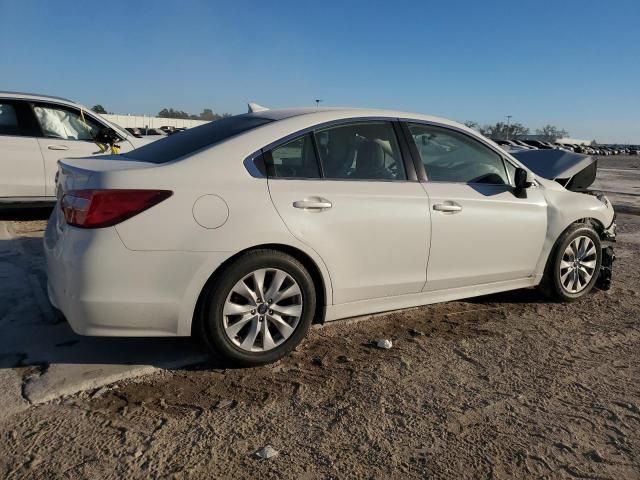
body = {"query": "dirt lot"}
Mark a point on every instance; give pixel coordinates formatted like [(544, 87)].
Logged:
[(506, 386)]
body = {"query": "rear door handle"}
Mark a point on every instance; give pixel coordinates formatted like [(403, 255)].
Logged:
[(313, 204), (58, 147), (449, 207)]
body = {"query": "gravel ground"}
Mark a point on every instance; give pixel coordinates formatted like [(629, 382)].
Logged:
[(505, 386)]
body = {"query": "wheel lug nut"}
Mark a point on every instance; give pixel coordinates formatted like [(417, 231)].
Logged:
[(269, 301), (270, 312), (253, 312)]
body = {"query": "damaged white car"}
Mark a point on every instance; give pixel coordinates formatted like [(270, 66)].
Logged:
[(38, 130), (246, 230)]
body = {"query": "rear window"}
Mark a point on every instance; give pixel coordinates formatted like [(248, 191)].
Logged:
[(193, 139)]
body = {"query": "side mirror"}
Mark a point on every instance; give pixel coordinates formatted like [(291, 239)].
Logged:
[(523, 180)]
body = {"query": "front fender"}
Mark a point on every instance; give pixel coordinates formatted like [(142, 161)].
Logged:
[(564, 208)]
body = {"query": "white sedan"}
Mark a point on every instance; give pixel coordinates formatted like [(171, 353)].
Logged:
[(247, 230), (38, 130)]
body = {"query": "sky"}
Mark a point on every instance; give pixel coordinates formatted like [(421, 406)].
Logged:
[(573, 64)]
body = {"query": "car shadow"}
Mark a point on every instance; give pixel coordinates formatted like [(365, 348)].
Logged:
[(25, 213), (32, 333), (525, 295)]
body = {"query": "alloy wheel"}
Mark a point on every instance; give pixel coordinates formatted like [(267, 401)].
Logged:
[(578, 264), (262, 310)]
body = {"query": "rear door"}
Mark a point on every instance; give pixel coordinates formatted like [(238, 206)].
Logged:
[(21, 163), (345, 191), (66, 132), (481, 231)]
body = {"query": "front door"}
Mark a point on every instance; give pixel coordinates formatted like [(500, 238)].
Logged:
[(355, 208), (66, 133), (481, 231)]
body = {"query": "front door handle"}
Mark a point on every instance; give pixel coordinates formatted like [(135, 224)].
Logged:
[(448, 207), (58, 147), (313, 204)]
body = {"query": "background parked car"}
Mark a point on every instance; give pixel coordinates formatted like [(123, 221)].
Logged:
[(538, 144), (523, 144), (38, 130), (136, 132), (153, 132)]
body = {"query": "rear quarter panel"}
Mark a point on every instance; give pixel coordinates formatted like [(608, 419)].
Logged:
[(170, 226)]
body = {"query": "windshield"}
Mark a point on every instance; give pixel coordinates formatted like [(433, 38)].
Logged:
[(174, 147)]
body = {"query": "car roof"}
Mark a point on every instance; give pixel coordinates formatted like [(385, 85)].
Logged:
[(349, 112), (59, 100), (33, 96)]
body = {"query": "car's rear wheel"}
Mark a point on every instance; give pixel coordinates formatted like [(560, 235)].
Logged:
[(258, 308), (574, 264)]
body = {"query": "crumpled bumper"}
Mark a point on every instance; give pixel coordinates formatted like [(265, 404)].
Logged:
[(608, 257)]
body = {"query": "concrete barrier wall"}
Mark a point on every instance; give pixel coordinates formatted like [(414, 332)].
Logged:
[(145, 121)]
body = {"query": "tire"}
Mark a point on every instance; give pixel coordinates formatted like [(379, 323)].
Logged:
[(559, 280), (240, 325)]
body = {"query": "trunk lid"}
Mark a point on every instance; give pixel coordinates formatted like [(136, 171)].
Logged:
[(79, 173), (88, 172)]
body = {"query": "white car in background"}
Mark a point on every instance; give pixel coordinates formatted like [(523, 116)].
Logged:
[(35, 132), (246, 230)]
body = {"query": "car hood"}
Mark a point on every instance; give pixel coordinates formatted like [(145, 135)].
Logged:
[(574, 171)]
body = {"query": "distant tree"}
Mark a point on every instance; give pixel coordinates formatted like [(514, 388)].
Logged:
[(476, 126), (99, 109), (550, 133), (171, 113), (503, 131), (207, 114)]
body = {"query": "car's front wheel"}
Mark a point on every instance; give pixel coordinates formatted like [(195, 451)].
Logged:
[(574, 264), (258, 308)]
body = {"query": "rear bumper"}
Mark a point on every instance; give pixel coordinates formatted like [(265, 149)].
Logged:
[(104, 289)]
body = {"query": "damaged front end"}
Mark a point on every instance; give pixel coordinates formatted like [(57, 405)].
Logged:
[(573, 171), (577, 173), (607, 239)]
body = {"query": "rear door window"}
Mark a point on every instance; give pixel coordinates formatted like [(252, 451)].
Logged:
[(360, 151)]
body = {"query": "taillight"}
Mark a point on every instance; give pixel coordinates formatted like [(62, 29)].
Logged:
[(104, 208)]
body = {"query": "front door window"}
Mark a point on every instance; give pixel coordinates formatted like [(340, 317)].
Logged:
[(65, 123)]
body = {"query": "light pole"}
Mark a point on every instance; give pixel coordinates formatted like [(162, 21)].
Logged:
[(318, 103), (508, 125)]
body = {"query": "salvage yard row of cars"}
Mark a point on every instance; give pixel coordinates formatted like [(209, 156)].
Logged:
[(154, 132), (518, 145), (244, 231)]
